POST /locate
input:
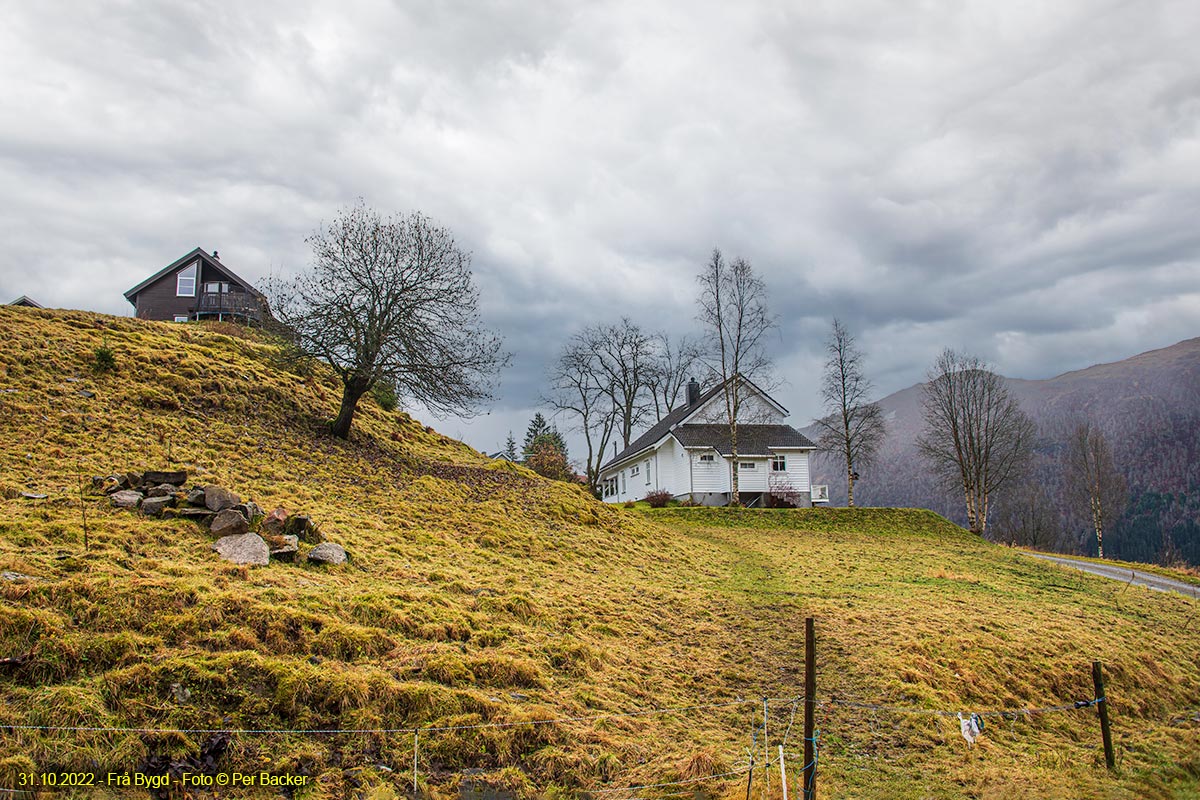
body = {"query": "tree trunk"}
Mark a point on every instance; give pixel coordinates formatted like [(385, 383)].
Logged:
[(734, 495), (850, 487), (352, 391)]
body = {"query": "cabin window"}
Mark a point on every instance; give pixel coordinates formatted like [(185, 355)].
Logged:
[(745, 465), (707, 457), (779, 464), (216, 287), (647, 473), (181, 318), (185, 281)]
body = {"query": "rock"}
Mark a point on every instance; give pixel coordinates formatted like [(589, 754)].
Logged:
[(327, 553), (33, 496), (249, 510), (229, 522), (154, 506), (273, 523), (98, 481), (301, 526), (199, 515), (126, 498), (9, 575), (174, 477), (219, 499), (133, 479), (195, 496), (283, 548), (247, 548), (85, 393), (162, 490)]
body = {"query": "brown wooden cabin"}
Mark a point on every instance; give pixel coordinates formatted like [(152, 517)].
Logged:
[(197, 286)]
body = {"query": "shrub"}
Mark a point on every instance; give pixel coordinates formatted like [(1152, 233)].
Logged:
[(629, 504), (385, 395), (658, 499), (104, 359)]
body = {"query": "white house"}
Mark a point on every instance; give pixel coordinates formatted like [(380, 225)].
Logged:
[(687, 453)]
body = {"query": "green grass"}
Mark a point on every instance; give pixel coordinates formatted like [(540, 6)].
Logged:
[(479, 592)]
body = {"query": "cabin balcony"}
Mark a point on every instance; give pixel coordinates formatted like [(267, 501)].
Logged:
[(235, 305)]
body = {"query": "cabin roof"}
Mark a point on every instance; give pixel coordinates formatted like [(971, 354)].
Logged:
[(179, 262)]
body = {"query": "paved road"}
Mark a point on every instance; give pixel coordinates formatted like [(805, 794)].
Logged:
[(1125, 575)]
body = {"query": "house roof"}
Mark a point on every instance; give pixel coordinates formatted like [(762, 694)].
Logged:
[(27, 301), (660, 429), (753, 440), (179, 262)]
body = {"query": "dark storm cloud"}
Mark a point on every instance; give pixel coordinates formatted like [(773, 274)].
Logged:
[(1017, 180)]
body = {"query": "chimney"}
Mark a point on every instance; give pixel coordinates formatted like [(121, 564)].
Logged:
[(693, 392), (216, 255)]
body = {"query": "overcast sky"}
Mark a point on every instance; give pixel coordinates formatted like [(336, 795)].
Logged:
[(1017, 179)]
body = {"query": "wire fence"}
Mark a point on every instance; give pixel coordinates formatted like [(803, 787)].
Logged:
[(788, 704)]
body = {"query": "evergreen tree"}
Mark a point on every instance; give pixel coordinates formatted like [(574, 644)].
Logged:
[(537, 427), (510, 448)]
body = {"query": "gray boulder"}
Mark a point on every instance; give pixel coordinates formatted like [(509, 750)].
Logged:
[(162, 490), (173, 477), (229, 522), (248, 548), (154, 506), (126, 498), (195, 497), (218, 499), (327, 553), (249, 509)]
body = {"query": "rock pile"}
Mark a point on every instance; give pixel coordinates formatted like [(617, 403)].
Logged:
[(245, 533)]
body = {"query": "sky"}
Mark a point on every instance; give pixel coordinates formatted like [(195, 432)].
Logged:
[(1018, 180)]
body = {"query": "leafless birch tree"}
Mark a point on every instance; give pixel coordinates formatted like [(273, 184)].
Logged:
[(1093, 480), (733, 310), (673, 365), (626, 360), (391, 300), (579, 387), (853, 426), (976, 436)]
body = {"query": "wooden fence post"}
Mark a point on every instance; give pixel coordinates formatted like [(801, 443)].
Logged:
[(810, 705), (782, 773), (1102, 707)]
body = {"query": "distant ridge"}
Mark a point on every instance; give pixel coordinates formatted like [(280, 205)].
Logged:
[(1149, 406)]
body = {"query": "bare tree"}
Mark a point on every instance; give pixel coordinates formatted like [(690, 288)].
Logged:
[(579, 387), (733, 310), (1027, 515), (1092, 479), (673, 365), (853, 426), (391, 300), (626, 360), (976, 436)]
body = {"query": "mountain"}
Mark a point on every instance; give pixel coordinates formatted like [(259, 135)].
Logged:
[(1147, 405)]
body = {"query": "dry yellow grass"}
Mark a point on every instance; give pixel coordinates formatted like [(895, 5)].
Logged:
[(480, 593)]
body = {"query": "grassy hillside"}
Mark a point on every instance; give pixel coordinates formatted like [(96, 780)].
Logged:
[(480, 594)]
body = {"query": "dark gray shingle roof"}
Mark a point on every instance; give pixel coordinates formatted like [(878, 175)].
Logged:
[(753, 440), (661, 428), (179, 262)]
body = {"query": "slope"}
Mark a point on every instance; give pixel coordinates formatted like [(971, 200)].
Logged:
[(537, 637)]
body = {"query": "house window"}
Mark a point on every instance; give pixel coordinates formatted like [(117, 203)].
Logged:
[(634, 471), (216, 287), (745, 465), (779, 464), (622, 481), (181, 318), (707, 457), (185, 281), (647, 473)]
